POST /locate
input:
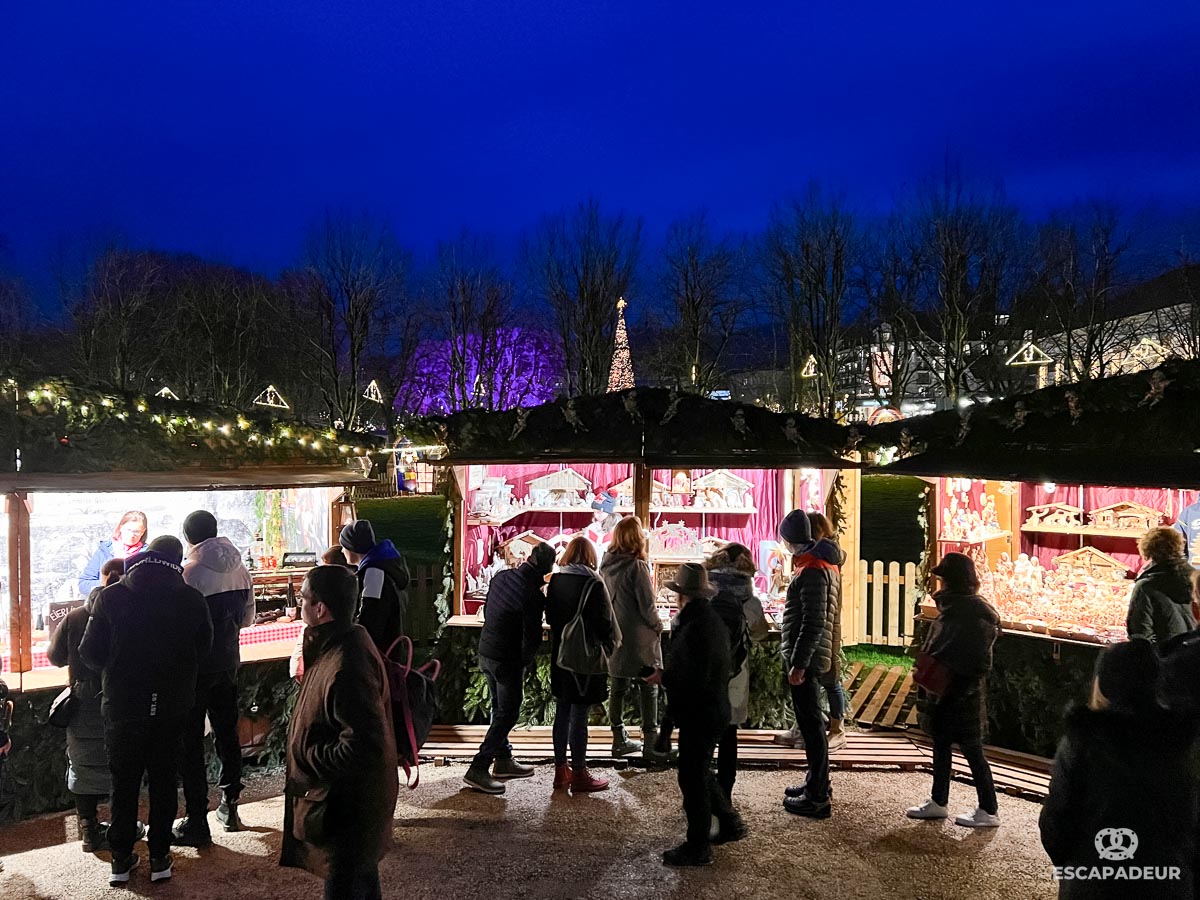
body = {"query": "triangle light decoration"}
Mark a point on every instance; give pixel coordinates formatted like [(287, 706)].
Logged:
[(166, 393), (810, 368), (373, 393), (1029, 355), (272, 398)]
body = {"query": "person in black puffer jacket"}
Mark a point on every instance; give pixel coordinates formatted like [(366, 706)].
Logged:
[(1124, 763), (807, 646), (1160, 603), (696, 677), (961, 639), (512, 632), (382, 578), (214, 568), (147, 634)]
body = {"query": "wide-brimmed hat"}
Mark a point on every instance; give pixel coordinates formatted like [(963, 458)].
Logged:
[(692, 581)]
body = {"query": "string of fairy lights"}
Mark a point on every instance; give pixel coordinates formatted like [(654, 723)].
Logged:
[(89, 408)]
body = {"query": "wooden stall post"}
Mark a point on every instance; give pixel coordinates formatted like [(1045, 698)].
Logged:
[(20, 617), (851, 541), (458, 496), (642, 482)]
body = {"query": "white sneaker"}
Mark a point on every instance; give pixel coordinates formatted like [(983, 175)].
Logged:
[(928, 810), (790, 738), (978, 819), (837, 740)]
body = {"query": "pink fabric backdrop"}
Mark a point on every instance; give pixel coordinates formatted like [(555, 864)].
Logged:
[(1047, 546), (748, 530)]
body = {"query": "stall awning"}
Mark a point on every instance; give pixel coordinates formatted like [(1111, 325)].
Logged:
[(1146, 470), (185, 479)]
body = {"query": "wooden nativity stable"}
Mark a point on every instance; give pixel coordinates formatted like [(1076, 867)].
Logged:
[(1049, 493)]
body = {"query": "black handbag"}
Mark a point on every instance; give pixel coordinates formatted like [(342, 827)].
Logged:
[(62, 710)]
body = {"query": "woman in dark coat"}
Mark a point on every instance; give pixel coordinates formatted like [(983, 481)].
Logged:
[(1124, 765), (87, 760), (1160, 602), (576, 694), (961, 639)]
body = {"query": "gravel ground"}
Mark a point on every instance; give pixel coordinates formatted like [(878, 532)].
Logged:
[(534, 843)]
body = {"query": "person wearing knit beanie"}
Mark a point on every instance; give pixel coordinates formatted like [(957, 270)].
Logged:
[(382, 578), (357, 538), (199, 526)]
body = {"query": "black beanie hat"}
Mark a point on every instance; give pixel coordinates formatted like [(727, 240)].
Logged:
[(358, 536), (542, 558), (795, 527), (1128, 675), (199, 526)]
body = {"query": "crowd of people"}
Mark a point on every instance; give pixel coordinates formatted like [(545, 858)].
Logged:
[(154, 653)]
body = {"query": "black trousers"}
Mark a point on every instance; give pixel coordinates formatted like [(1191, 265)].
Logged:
[(505, 684), (981, 772), (352, 880), (727, 760), (216, 698), (806, 703), (702, 796), (150, 748)]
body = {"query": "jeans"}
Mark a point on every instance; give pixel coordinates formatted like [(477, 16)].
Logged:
[(647, 696), (837, 700), (136, 748), (216, 698), (355, 881), (571, 727), (806, 703), (87, 806), (727, 760), (702, 796), (504, 684), (981, 772)]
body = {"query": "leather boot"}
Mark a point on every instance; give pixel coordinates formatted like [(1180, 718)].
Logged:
[(584, 782), (480, 778), (562, 776), (650, 752), (622, 743), (93, 835), (227, 814), (507, 767)]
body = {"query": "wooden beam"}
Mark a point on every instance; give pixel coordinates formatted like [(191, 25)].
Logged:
[(20, 619), (643, 479), (458, 541)]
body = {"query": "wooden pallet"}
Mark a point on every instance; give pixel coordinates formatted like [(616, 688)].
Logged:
[(1014, 773), (881, 697)]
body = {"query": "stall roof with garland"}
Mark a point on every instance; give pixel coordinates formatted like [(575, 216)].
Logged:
[(1139, 430), (53, 426), (654, 426)]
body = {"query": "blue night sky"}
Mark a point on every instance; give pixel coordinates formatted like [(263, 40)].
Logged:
[(224, 128)]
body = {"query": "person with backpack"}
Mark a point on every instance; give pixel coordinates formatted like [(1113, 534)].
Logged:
[(626, 573), (807, 645), (512, 633), (731, 572), (341, 786), (577, 599), (382, 578), (696, 678)]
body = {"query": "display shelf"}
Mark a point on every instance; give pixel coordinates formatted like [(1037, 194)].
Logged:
[(983, 540), (1085, 530), (654, 510)]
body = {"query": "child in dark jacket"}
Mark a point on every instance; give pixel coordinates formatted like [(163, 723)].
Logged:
[(696, 676), (960, 639)]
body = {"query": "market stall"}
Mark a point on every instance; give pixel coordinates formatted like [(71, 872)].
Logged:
[(1049, 492)]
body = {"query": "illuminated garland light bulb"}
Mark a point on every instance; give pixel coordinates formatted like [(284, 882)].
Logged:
[(226, 429), (33, 396), (343, 449), (300, 441), (156, 418), (141, 407), (84, 409), (316, 445), (106, 402), (285, 432), (208, 426), (270, 443)]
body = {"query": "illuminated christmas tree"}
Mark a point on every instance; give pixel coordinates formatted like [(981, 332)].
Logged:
[(620, 374)]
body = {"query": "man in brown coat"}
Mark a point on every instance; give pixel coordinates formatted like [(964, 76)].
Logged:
[(341, 750)]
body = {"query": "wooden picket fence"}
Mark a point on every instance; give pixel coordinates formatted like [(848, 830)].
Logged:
[(885, 603)]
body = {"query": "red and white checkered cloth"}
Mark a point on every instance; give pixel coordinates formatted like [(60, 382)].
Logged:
[(270, 632)]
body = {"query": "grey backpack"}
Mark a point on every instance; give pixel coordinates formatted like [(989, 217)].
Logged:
[(579, 651)]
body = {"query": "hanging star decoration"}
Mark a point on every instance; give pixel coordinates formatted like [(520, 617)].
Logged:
[(672, 407), (1158, 385), (964, 424), (519, 425), (1074, 407), (272, 398), (629, 401), (571, 414), (1020, 413)]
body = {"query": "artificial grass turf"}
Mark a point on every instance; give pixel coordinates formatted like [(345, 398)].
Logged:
[(871, 656)]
